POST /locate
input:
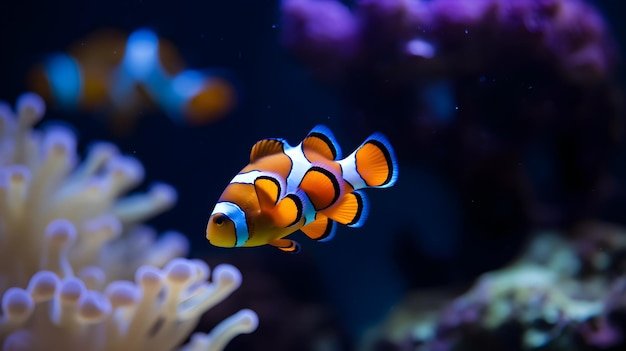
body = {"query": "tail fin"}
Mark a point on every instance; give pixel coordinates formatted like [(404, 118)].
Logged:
[(372, 165)]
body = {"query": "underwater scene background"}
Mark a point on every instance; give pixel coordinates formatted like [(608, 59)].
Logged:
[(504, 231)]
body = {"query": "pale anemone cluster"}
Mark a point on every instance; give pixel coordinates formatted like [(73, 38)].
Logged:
[(77, 269)]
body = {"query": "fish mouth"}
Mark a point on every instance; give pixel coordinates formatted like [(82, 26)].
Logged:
[(221, 242)]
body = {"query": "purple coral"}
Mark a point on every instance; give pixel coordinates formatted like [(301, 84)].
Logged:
[(510, 105), (327, 27), (475, 87), (449, 35)]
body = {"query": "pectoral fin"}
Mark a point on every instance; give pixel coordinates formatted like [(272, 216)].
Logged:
[(268, 191), (288, 211)]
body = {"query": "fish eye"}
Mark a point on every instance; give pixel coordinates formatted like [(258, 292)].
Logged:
[(219, 219)]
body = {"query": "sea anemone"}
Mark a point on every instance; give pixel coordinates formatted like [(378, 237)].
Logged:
[(70, 245)]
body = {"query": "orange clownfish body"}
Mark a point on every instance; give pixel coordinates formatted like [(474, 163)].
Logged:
[(307, 187), (125, 74)]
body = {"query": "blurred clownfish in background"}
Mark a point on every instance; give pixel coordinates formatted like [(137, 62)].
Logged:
[(109, 70), (308, 187)]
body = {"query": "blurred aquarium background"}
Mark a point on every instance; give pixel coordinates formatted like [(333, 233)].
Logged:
[(507, 117)]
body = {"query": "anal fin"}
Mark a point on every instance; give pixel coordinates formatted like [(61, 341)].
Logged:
[(352, 209), (321, 229)]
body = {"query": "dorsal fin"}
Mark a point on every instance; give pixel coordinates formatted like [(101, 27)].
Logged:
[(322, 141), (321, 229), (267, 147), (268, 190), (322, 185)]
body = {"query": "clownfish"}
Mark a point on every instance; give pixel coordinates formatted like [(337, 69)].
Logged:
[(308, 187), (125, 74)]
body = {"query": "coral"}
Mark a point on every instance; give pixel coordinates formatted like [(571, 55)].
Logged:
[(561, 294), (506, 113), (510, 107), (70, 245), (484, 91), (403, 38)]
